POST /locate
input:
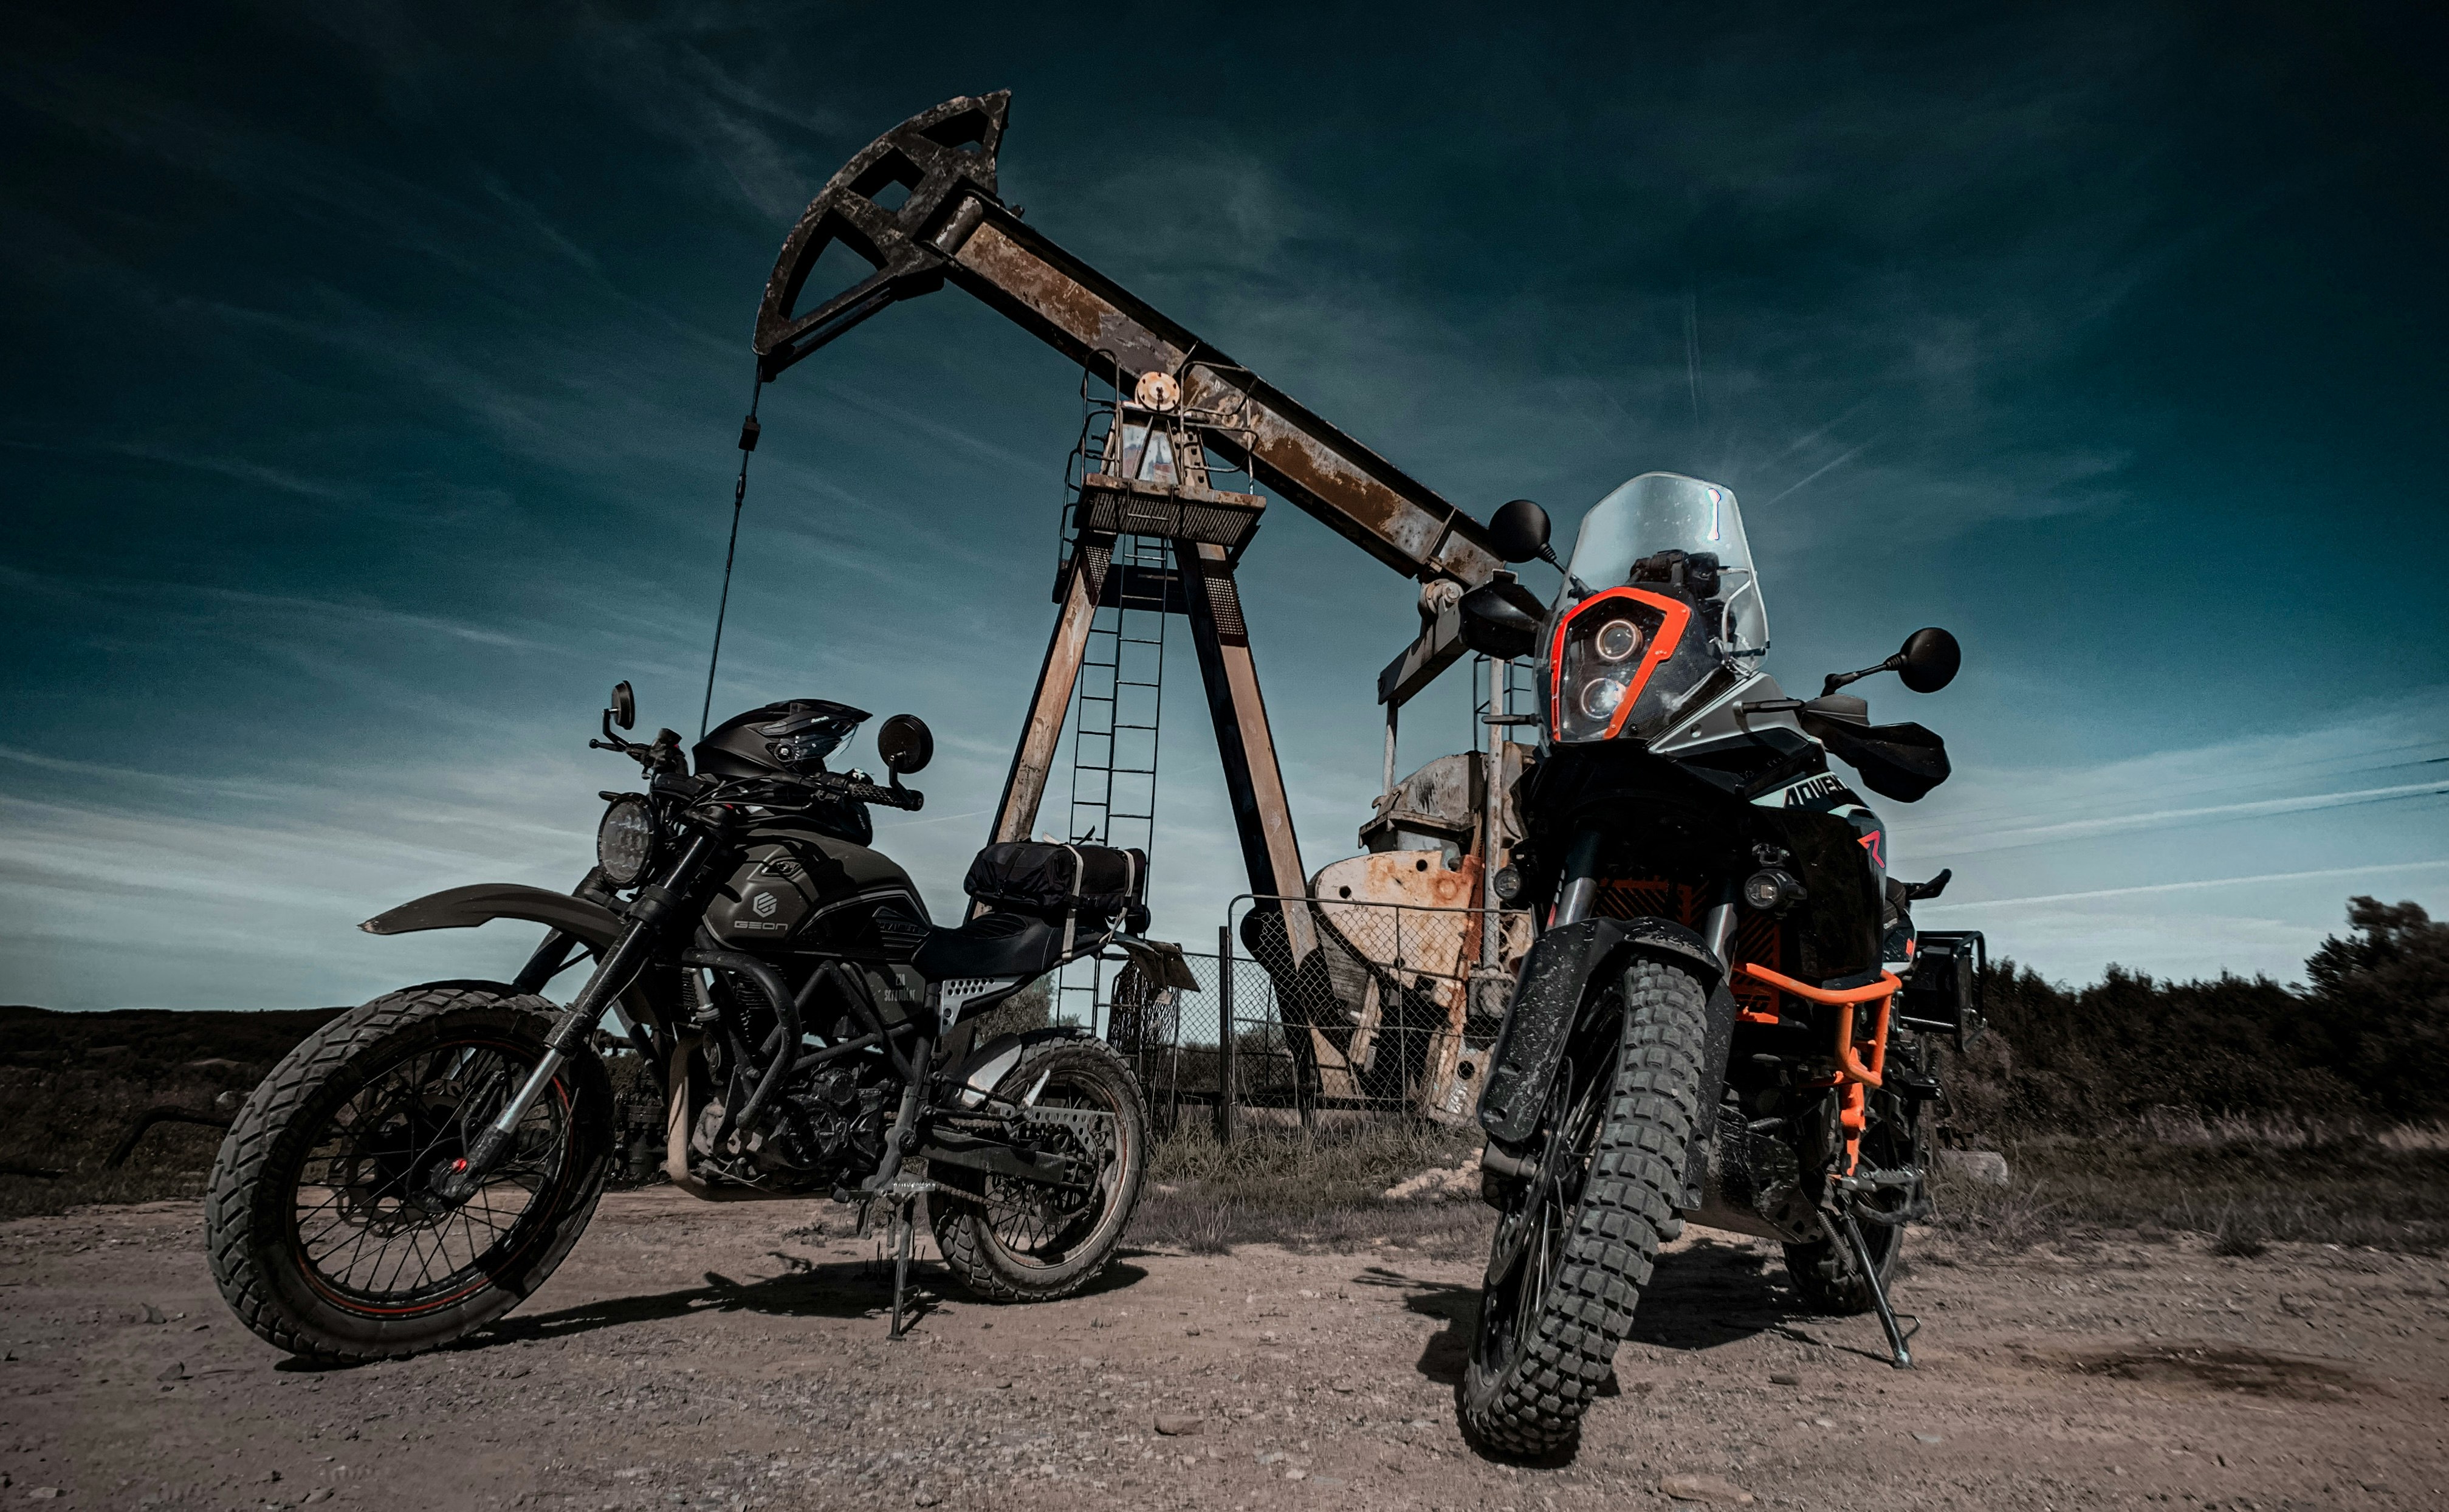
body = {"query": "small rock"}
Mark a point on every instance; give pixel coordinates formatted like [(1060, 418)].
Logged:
[(1174, 1426), (43, 1493), (1705, 1488), (176, 1372), (925, 1499), (317, 1497), (1824, 1423), (270, 1476), (1270, 1456), (1296, 1473), (1930, 1438), (1988, 1167), (153, 1314), (1782, 1379), (1192, 1333)]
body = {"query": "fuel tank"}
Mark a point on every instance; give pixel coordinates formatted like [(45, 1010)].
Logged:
[(799, 889), (801, 893)]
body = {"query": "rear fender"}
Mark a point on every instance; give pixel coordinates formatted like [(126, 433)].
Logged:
[(1549, 1000), (979, 1072)]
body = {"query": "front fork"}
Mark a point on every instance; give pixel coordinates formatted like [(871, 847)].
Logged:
[(647, 913)]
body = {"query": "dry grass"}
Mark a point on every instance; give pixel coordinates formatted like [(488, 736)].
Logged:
[(2245, 1183), (72, 1084), (1319, 1190)]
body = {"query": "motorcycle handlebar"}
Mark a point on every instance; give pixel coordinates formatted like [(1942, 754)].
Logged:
[(868, 792), (835, 785)]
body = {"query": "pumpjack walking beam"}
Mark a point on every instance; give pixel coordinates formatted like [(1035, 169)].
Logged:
[(919, 206)]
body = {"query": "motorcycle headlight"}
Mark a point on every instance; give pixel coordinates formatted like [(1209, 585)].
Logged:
[(625, 843), (1617, 640), (1601, 657)]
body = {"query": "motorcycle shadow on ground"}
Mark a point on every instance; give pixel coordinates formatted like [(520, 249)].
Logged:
[(840, 1290), (1709, 1294)]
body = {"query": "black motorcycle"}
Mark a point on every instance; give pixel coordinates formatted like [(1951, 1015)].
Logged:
[(422, 1163), (1728, 1016)]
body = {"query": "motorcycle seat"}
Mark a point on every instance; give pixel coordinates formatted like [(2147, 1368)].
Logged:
[(998, 944)]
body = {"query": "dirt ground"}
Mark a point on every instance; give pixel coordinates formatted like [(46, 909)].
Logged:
[(700, 1357)]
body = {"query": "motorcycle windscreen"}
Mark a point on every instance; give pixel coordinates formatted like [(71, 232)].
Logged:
[(1674, 616)]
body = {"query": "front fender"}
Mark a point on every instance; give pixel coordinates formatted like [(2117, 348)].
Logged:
[(467, 907), (589, 923), (1547, 1002)]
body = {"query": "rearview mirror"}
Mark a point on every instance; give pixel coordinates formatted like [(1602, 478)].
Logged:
[(1518, 530), (1928, 660), (905, 743), (624, 706), (1927, 663)]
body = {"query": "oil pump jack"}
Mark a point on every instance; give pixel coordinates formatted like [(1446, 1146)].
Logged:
[(919, 208)]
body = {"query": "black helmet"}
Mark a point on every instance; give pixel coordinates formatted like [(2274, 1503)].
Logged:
[(796, 736)]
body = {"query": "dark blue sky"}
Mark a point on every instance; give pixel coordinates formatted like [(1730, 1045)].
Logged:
[(375, 370)]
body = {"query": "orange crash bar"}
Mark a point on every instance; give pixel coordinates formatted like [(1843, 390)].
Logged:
[(1846, 997)]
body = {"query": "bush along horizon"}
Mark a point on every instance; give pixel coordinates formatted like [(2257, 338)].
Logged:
[(2364, 1040)]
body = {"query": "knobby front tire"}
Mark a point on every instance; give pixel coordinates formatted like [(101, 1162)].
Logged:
[(320, 1225), (1612, 1144)]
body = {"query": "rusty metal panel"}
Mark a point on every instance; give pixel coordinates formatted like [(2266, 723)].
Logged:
[(1116, 506)]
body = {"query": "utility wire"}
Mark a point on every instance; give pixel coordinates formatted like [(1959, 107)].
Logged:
[(748, 429)]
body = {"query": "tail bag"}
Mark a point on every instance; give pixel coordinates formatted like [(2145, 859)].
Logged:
[(1052, 881)]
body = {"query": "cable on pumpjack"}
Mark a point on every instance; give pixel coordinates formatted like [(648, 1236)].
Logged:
[(748, 430)]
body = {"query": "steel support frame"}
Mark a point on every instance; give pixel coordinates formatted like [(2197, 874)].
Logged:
[(1244, 744)]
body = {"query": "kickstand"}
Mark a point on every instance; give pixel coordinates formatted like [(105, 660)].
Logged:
[(1903, 1357), (903, 1195)]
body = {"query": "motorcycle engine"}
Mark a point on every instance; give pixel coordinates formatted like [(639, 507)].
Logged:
[(830, 1123)]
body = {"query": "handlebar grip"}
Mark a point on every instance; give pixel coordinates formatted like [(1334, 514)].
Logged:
[(867, 792)]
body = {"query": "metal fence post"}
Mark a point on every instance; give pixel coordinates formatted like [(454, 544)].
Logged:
[(1224, 1033)]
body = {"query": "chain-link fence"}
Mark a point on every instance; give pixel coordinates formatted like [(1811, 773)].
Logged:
[(1308, 1005)]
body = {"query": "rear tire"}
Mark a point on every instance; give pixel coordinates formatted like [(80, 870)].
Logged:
[(1824, 1275), (1017, 1241), (318, 1223), (1615, 1138)]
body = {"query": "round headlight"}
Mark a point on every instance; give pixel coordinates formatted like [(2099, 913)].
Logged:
[(625, 843), (1617, 639), (1600, 696)]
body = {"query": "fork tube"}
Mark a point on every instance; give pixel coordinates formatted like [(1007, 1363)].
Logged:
[(647, 912), (1718, 927), (1581, 881)]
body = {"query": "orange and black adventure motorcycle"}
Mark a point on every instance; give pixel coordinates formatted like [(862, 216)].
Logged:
[(1727, 1017)]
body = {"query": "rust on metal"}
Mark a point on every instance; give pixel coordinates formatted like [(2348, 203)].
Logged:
[(951, 226), (1024, 787)]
